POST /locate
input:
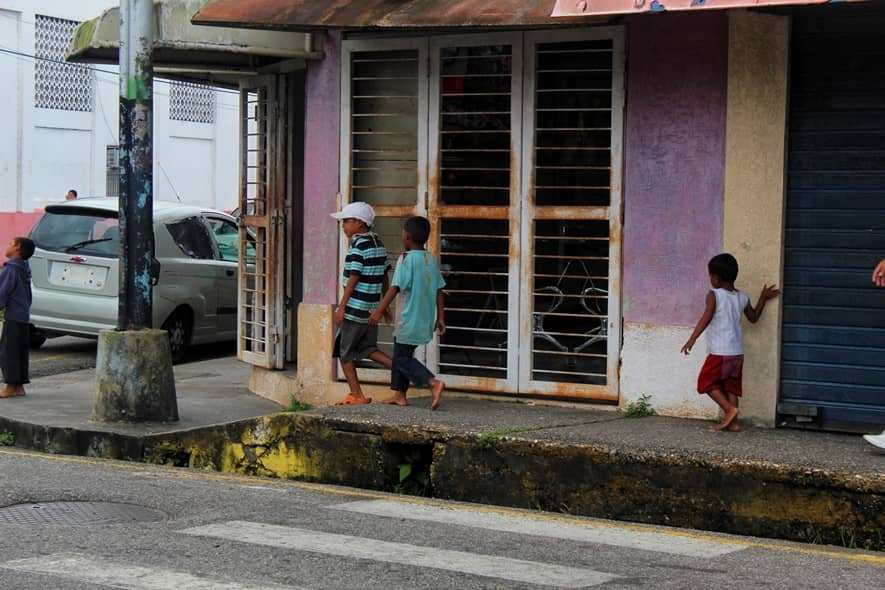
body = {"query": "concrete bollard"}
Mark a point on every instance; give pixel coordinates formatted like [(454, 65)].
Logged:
[(134, 381)]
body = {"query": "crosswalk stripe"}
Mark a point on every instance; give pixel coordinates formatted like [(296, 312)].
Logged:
[(490, 566), (583, 533), (82, 568)]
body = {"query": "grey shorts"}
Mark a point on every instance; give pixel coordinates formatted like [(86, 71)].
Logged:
[(355, 341)]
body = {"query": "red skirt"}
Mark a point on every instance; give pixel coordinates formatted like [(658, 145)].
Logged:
[(724, 373)]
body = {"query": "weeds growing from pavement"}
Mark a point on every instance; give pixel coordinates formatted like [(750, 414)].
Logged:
[(640, 408), (488, 440), (296, 405), (7, 439)]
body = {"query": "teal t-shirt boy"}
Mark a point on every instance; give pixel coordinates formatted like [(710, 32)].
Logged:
[(419, 280)]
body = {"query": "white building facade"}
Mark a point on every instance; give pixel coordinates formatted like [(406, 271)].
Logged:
[(59, 122)]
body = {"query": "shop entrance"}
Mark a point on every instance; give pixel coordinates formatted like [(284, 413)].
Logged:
[(511, 145)]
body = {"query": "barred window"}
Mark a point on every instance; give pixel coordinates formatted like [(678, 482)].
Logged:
[(112, 176), (59, 85), (191, 102)]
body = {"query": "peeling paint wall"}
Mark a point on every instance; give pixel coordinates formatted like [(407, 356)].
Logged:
[(322, 123), (674, 190), (675, 164)]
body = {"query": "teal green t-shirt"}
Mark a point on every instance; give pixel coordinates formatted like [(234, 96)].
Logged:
[(418, 278)]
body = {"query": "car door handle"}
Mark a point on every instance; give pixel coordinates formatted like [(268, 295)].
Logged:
[(229, 273)]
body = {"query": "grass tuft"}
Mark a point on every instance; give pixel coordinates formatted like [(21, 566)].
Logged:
[(296, 405), (640, 408)]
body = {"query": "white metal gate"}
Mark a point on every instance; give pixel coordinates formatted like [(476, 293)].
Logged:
[(510, 143), (260, 322)]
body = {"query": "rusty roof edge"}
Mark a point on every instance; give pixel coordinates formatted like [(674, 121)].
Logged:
[(382, 15)]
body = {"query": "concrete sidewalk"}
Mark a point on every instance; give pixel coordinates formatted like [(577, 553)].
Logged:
[(806, 486), (209, 392), (654, 435)]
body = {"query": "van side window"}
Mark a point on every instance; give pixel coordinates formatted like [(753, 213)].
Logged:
[(192, 236)]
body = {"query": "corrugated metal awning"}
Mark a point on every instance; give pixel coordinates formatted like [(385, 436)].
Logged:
[(379, 14), (182, 50), (572, 8)]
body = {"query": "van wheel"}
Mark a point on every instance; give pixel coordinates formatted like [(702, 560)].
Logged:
[(178, 325), (37, 338)]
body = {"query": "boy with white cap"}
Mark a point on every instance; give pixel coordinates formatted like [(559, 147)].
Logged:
[(365, 276)]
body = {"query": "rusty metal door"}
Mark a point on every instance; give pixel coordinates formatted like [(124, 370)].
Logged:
[(571, 217), (383, 147), (263, 137), (474, 205), (510, 143)]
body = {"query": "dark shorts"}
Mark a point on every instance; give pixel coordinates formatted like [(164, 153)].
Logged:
[(724, 373), (355, 341), (14, 352)]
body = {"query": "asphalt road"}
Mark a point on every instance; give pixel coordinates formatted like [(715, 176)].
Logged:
[(233, 533), (66, 354)]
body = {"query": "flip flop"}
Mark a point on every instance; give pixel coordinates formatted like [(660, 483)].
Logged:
[(352, 400)]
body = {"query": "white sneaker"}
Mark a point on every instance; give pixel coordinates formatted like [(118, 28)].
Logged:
[(877, 440)]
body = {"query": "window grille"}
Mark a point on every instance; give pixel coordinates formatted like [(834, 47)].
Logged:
[(59, 85), (112, 184), (191, 102)]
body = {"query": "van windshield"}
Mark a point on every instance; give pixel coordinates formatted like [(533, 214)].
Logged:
[(78, 231)]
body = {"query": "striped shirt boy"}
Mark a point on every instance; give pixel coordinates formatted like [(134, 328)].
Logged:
[(366, 258)]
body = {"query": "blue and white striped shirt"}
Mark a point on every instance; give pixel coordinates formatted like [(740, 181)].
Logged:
[(367, 258)]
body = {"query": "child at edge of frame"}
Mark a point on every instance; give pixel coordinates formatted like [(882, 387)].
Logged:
[(365, 279), (721, 377), (418, 279), (15, 303)]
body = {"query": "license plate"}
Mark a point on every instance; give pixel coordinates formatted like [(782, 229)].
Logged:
[(78, 276)]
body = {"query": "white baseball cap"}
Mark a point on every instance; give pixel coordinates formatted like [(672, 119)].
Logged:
[(357, 210)]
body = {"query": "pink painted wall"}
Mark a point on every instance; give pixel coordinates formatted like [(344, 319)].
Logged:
[(15, 224), (321, 156), (674, 179)]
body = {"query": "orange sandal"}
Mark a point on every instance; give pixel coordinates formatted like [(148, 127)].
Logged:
[(354, 400)]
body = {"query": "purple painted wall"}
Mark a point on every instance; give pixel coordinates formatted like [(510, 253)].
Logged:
[(674, 181), (321, 157)]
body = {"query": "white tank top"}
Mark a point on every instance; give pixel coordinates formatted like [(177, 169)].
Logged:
[(724, 332)]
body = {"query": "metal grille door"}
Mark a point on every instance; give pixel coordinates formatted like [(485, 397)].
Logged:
[(382, 160), (570, 320), (833, 371), (262, 195), (476, 105)]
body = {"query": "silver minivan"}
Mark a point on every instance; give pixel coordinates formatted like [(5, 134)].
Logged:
[(75, 272)]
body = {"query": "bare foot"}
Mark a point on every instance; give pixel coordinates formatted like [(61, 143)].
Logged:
[(399, 399), (730, 416), (734, 426), (437, 387), (9, 391)]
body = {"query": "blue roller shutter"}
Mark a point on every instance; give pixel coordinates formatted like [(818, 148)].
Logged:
[(833, 367)]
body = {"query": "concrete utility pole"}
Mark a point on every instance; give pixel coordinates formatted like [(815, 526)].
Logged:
[(134, 379)]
